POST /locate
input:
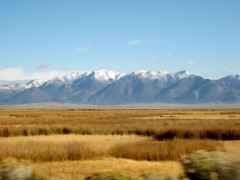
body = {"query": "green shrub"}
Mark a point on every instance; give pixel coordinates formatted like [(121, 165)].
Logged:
[(172, 177), (226, 166), (198, 165), (13, 169), (110, 176), (125, 176), (154, 176), (203, 165)]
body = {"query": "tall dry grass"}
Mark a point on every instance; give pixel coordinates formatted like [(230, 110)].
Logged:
[(73, 147), (162, 124), (51, 151), (162, 151), (61, 147)]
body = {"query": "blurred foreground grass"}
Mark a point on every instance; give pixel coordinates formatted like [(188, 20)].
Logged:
[(199, 165)]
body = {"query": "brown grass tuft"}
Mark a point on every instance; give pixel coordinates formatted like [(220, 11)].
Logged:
[(79, 147), (162, 151)]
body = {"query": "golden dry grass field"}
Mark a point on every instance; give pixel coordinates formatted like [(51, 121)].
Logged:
[(74, 143)]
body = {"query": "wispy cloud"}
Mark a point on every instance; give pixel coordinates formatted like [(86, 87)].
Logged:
[(134, 42), (155, 57), (47, 75), (191, 62), (168, 55), (11, 74), (137, 42), (233, 65), (43, 66), (19, 74), (83, 49)]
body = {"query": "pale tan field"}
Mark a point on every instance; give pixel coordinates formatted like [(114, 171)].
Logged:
[(100, 141), (70, 170)]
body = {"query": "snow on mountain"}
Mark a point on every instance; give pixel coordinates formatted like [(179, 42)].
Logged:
[(22, 86), (138, 87), (10, 91), (232, 81), (34, 83), (108, 87), (182, 74), (74, 75), (100, 75), (230, 78), (158, 74), (105, 75), (237, 77), (6, 82), (68, 78), (152, 75)]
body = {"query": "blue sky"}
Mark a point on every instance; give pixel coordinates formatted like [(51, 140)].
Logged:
[(44, 38)]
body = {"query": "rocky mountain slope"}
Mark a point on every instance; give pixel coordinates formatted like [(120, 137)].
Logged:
[(105, 87)]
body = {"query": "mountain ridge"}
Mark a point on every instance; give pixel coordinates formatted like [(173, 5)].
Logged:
[(106, 87)]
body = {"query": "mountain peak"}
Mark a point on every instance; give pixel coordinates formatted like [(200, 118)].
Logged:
[(150, 74), (237, 77), (108, 87), (106, 75), (74, 75), (182, 74), (157, 74), (35, 83), (161, 74), (231, 77), (139, 72)]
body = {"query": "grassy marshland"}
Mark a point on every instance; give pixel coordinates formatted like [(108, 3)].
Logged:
[(73, 143)]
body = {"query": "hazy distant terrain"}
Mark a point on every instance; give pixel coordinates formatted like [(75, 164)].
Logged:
[(105, 87)]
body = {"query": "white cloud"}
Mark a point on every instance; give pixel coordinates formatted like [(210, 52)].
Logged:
[(12, 74), (83, 49), (233, 65), (168, 55), (134, 42), (191, 62), (43, 66), (155, 57), (137, 42), (47, 75)]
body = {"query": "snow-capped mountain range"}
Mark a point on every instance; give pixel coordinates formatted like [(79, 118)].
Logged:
[(105, 87)]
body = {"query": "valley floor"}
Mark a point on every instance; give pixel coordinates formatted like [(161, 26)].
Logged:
[(75, 143)]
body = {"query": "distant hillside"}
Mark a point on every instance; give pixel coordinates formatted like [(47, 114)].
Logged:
[(105, 87)]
